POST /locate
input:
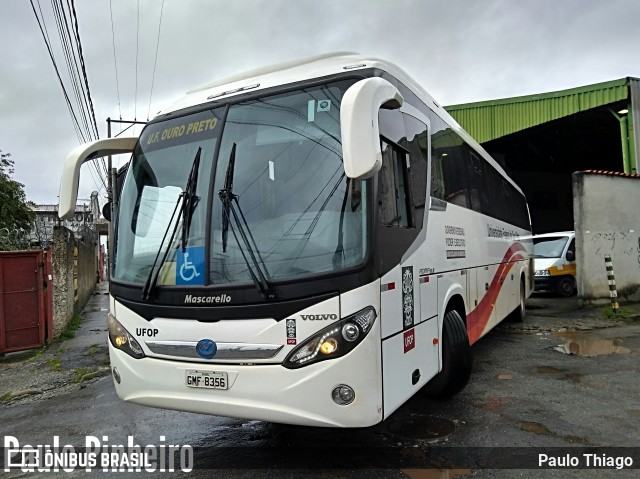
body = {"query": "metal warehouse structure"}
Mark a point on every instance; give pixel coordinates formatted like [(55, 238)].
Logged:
[(541, 139)]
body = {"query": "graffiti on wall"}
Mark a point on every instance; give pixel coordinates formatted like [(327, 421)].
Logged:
[(620, 242)]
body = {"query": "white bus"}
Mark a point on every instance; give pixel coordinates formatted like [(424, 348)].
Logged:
[(310, 243)]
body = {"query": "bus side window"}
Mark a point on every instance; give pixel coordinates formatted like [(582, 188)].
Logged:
[(448, 164), (417, 144), (395, 196)]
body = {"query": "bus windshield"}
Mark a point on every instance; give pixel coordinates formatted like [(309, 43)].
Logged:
[(293, 208)]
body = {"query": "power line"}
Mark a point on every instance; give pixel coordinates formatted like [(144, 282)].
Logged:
[(64, 42), (135, 100), (153, 76), (115, 63), (72, 46), (84, 70), (85, 127), (55, 66)]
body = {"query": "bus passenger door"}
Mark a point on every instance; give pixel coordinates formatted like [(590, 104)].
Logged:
[(407, 344)]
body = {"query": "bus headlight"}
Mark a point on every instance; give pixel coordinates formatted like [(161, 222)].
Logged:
[(333, 341), (122, 340)]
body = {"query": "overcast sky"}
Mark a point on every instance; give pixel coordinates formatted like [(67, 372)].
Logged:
[(459, 50)]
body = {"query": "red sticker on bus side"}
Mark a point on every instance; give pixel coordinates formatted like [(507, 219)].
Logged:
[(409, 340)]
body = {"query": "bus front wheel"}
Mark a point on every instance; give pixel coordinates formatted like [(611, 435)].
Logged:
[(456, 359)]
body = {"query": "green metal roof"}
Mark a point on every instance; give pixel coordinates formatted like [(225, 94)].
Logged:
[(488, 120)]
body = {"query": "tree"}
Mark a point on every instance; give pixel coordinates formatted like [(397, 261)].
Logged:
[(15, 214)]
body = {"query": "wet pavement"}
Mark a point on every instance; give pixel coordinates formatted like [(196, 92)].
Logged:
[(566, 377)]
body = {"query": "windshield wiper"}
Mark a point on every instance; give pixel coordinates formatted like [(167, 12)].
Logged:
[(187, 201), (227, 198), (190, 199)]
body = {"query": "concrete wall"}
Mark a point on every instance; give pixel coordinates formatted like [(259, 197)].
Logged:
[(74, 275), (607, 221)]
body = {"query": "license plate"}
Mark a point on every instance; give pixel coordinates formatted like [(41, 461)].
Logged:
[(206, 379)]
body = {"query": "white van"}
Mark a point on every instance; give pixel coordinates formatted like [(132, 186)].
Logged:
[(555, 262)]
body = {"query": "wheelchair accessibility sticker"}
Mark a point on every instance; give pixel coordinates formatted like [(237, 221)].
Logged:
[(190, 266)]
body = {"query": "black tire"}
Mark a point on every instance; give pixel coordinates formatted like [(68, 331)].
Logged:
[(566, 287), (518, 314), (456, 359)]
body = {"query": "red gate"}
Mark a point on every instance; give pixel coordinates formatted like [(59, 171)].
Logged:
[(22, 311)]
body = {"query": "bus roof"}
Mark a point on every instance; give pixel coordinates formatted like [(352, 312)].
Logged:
[(316, 67), (291, 72)]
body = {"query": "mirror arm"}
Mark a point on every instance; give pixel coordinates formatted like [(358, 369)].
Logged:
[(71, 168)]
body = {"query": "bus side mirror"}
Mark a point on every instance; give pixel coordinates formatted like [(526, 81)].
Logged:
[(71, 168), (106, 211), (361, 153), (571, 256)]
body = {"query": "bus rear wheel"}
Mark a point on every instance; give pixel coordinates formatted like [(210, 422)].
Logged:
[(456, 359)]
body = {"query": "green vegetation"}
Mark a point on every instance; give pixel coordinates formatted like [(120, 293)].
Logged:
[(30, 355), (70, 330), (54, 363), (79, 373), (16, 216), (37, 353), (621, 313), (5, 397), (93, 349)]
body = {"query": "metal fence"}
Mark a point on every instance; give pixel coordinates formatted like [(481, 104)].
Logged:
[(14, 239)]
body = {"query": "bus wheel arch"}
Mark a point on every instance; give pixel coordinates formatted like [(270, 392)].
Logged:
[(456, 355)]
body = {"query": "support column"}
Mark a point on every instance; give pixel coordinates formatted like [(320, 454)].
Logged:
[(621, 116), (634, 122)]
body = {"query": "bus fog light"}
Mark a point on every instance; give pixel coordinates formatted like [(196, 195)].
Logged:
[(350, 332), (343, 395), (116, 375)]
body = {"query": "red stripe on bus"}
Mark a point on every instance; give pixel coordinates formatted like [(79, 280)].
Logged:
[(388, 287), (482, 312)]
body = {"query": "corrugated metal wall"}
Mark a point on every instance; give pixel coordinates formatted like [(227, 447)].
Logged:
[(489, 120)]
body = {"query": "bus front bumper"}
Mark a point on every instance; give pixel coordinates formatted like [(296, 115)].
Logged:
[(266, 392)]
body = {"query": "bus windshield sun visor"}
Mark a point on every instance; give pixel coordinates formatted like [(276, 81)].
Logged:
[(187, 201), (227, 198)]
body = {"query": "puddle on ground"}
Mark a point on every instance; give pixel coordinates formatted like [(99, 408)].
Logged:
[(578, 440), (495, 404), (580, 345), (535, 428), (573, 377), (93, 310), (421, 427), (436, 473), (548, 370), (541, 430)]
